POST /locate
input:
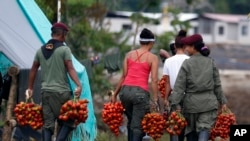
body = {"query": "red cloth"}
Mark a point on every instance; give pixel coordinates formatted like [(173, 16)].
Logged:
[(60, 25), (138, 74)]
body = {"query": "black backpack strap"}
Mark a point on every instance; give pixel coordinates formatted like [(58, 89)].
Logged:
[(49, 48)]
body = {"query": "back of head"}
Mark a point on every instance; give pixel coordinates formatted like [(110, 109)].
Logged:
[(172, 48), (178, 42), (146, 36), (59, 28), (197, 41)]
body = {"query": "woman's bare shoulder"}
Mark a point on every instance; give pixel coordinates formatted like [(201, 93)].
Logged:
[(153, 56)]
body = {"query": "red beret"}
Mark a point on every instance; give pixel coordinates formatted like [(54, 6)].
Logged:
[(190, 40), (60, 25)]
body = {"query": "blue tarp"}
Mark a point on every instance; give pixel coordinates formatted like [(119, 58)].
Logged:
[(5, 63), (18, 40)]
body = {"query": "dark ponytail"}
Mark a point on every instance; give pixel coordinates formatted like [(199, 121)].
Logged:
[(202, 48), (178, 42)]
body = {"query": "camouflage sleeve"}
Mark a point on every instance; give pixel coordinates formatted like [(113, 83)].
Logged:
[(177, 94)]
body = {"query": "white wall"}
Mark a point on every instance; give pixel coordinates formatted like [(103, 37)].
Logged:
[(232, 32), (193, 24), (207, 38), (220, 38), (115, 24), (244, 39)]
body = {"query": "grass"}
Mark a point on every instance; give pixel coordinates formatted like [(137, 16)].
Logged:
[(108, 136)]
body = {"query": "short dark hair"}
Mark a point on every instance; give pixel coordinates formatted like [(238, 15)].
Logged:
[(172, 48), (146, 34), (58, 31), (178, 43)]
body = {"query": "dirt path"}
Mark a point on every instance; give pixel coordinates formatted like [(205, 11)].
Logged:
[(236, 87)]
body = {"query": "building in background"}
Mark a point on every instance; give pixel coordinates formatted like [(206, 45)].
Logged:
[(215, 28)]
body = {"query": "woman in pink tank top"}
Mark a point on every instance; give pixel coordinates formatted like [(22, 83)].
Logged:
[(133, 88)]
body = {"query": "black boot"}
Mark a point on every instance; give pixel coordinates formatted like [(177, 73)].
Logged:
[(46, 134), (63, 133), (192, 136)]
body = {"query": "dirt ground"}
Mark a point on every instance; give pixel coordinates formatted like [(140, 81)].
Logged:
[(235, 85)]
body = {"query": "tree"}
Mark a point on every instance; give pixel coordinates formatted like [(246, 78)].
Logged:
[(50, 9), (138, 20), (164, 40)]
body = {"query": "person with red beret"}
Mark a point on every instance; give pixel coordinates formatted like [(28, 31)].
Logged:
[(199, 79), (55, 61)]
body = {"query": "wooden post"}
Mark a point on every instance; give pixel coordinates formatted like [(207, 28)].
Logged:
[(10, 122)]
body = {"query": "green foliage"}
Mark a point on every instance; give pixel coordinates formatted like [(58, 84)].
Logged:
[(137, 5), (77, 39), (102, 40), (176, 23), (221, 6), (99, 83), (139, 18), (231, 6), (189, 1), (108, 136), (47, 6), (164, 40), (81, 2)]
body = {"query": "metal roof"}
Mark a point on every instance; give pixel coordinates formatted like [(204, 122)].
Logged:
[(225, 17)]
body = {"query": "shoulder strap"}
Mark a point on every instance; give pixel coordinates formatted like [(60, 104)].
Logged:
[(50, 47), (139, 56)]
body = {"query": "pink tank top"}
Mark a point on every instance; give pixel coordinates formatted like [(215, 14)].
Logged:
[(138, 72)]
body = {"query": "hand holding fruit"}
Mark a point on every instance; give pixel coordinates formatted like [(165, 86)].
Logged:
[(78, 91), (166, 103), (28, 93), (223, 107), (112, 94), (155, 106)]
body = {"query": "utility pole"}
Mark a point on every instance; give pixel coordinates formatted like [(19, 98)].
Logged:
[(58, 10)]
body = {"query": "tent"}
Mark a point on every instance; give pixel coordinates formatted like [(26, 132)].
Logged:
[(23, 30), (18, 38)]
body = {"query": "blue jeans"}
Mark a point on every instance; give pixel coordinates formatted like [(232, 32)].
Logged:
[(135, 100), (201, 136), (23, 133), (63, 133), (61, 136)]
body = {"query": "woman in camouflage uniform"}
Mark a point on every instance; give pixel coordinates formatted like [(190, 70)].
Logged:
[(199, 79)]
